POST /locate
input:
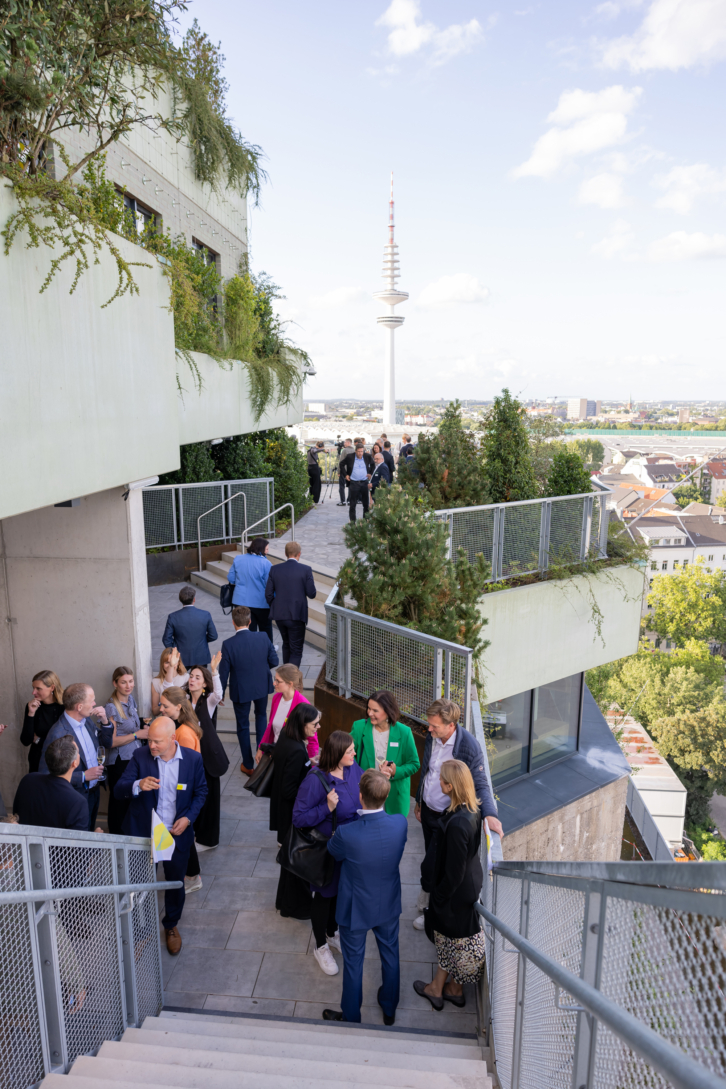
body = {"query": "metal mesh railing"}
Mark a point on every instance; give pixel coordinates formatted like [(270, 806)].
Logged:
[(171, 511), (80, 958), (608, 975), (522, 538), (364, 654)]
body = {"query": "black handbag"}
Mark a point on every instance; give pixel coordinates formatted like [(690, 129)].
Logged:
[(304, 851), (260, 781), (225, 597)]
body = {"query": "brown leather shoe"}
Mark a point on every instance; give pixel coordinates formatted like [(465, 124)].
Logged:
[(173, 942), (245, 771)]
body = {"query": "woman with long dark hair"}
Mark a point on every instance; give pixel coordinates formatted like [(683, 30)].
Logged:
[(291, 762), (205, 693), (41, 714), (384, 743), (314, 808)]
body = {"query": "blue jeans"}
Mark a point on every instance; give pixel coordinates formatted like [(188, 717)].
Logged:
[(353, 944), (242, 714)]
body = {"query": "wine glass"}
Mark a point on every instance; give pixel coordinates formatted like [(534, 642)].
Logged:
[(101, 757)]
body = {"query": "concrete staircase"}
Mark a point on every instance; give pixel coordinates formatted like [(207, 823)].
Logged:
[(214, 1051), (214, 575)]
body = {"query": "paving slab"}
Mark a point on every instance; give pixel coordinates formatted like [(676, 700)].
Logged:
[(267, 930), (214, 971)]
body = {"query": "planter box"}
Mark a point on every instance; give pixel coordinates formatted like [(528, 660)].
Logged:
[(545, 631)]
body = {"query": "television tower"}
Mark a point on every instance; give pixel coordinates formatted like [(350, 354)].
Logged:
[(391, 296)]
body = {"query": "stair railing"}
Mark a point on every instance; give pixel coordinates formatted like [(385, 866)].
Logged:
[(211, 511), (266, 518)]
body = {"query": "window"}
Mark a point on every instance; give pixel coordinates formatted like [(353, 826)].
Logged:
[(685, 563), (711, 556), (507, 725), (555, 719), (664, 565), (654, 566), (144, 216), (676, 563), (210, 257)]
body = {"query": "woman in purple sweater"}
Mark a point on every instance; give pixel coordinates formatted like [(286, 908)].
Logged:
[(314, 807)]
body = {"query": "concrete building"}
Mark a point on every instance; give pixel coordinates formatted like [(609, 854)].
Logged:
[(96, 403), (579, 408)]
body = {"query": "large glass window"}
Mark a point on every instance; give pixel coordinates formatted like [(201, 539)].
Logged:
[(555, 717), (506, 723)]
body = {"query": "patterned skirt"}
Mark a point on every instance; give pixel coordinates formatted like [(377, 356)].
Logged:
[(463, 958)]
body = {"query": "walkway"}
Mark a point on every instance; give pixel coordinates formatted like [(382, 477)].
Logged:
[(320, 532)]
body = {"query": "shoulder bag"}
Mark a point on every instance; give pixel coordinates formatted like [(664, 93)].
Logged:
[(260, 781), (225, 597), (304, 851)]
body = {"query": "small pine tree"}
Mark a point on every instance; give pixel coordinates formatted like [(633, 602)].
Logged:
[(197, 465), (449, 464), (399, 571), (508, 469), (568, 475)]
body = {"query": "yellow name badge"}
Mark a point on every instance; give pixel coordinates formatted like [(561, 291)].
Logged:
[(181, 786)]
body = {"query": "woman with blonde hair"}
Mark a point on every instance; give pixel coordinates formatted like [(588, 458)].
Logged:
[(457, 880), (288, 684), (172, 674), (174, 704), (41, 714), (128, 729)]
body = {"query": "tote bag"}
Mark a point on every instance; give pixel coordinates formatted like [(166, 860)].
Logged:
[(260, 781), (304, 851)]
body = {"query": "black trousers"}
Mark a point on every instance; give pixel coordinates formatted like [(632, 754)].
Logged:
[(429, 823), (341, 487), (322, 916), (206, 826), (117, 807), (261, 621), (358, 491), (293, 639), (176, 870), (93, 797), (315, 478)]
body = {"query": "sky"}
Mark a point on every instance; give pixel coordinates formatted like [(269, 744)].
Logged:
[(559, 178)]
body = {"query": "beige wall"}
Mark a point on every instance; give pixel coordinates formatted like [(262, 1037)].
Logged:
[(544, 631), (74, 586), (588, 830)]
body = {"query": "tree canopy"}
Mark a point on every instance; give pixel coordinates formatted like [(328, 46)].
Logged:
[(449, 464), (689, 604), (568, 476), (508, 469)]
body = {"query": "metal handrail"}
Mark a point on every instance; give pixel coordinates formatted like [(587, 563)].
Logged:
[(266, 518), (679, 1069), (34, 895), (211, 511)]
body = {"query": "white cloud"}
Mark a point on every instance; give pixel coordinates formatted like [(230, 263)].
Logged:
[(339, 296), (616, 243), (681, 246), (408, 33), (674, 34), (452, 290), (604, 190), (583, 122), (684, 184), (648, 360)]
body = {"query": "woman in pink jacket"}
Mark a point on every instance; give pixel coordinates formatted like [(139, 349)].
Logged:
[(288, 693)]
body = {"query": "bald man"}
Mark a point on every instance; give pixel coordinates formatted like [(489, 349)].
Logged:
[(171, 780)]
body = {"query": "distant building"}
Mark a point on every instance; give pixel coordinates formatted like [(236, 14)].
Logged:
[(579, 408), (713, 478), (684, 415), (316, 407)]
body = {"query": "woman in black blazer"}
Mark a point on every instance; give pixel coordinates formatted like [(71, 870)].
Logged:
[(291, 764), (457, 881)]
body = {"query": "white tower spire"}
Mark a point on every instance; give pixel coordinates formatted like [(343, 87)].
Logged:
[(391, 296)]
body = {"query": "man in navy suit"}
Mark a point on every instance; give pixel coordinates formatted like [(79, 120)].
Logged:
[(289, 585), (190, 630), (247, 659), (369, 896), (171, 780)]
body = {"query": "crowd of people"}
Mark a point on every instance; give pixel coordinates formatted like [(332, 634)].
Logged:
[(360, 471)]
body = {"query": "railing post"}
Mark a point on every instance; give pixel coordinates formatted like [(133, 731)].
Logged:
[(348, 657), (521, 979), (124, 916), (468, 684), (51, 1005), (593, 927), (586, 527), (174, 501), (604, 525), (342, 629), (447, 675), (497, 543), (450, 521), (438, 668), (545, 521)]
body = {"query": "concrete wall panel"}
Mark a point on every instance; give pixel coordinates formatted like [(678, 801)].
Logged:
[(544, 631)]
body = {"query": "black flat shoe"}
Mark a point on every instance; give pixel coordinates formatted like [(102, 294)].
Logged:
[(333, 1015), (387, 1018), (458, 1000), (418, 986)]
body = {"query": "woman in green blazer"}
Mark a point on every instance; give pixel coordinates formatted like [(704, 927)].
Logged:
[(382, 742)]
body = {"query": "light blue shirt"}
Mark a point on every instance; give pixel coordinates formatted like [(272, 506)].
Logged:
[(359, 469), (248, 574), (168, 776), (85, 745)]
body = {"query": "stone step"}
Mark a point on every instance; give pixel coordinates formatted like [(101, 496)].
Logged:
[(257, 1040), (266, 1070), (296, 1024)]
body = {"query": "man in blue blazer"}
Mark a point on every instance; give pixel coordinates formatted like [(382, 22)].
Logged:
[(369, 896), (190, 630), (289, 585), (171, 780), (247, 659)]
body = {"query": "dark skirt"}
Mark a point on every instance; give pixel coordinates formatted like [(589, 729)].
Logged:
[(117, 807), (293, 899), (206, 826)]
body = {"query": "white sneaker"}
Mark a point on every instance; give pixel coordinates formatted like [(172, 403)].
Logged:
[(192, 884), (326, 960), (419, 924), (334, 942), (201, 847), (423, 900)]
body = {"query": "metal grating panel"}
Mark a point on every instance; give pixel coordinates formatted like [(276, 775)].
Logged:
[(507, 901), (145, 929), (331, 647), (520, 548), (474, 532), (197, 501), (566, 531), (159, 517), (171, 512)]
